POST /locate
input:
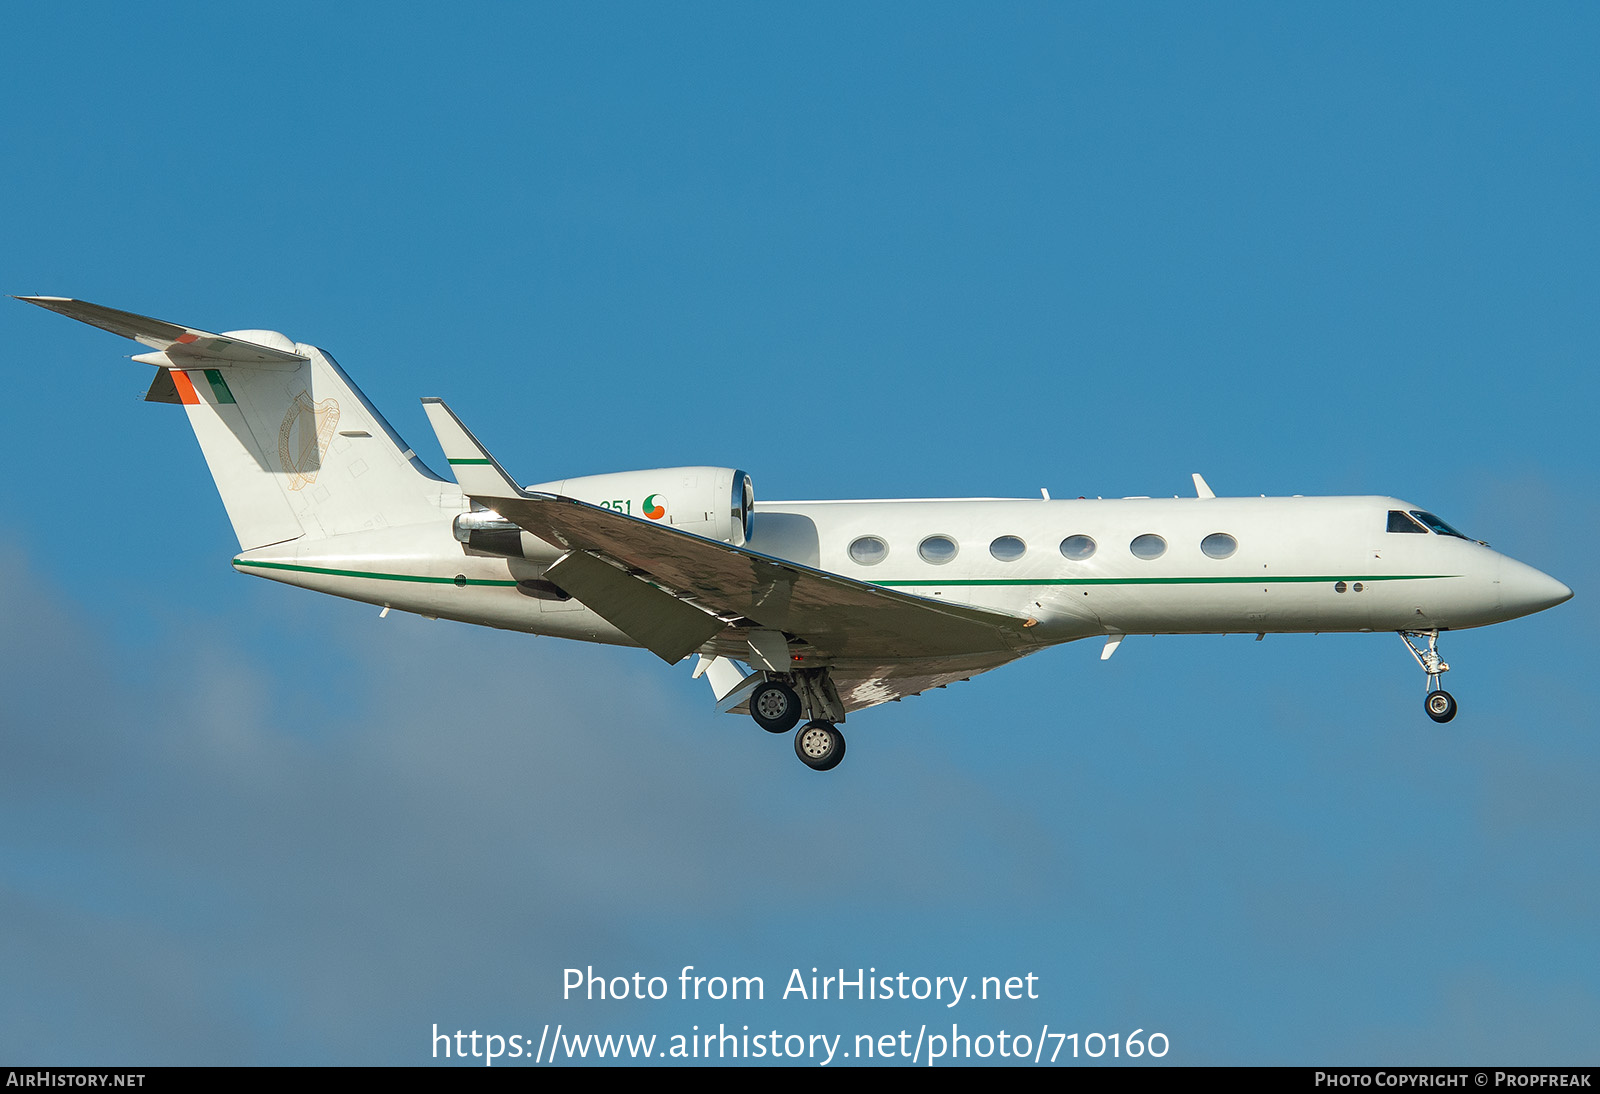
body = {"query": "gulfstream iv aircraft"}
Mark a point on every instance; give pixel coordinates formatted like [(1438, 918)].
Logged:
[(803, 610)]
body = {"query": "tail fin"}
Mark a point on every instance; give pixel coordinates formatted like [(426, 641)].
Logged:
[(294, 447)]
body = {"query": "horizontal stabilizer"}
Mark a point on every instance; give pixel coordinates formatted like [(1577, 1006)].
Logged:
[(179, 346)]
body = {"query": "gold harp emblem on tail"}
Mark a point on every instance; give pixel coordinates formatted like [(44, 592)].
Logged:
[(304, 436)]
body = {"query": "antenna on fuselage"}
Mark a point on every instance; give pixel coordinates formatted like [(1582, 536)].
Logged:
[(1201, 490)]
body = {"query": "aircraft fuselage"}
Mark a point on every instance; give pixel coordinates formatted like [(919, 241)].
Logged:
[(1300, 564)]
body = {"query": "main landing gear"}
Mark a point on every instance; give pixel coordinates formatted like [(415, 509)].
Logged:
[(776, 707), (819, 745), (1440, 704)]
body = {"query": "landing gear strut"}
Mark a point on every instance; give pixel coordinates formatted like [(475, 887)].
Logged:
[(1440, 704)]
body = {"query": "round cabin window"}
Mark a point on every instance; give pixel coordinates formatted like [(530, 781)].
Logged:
[(1219, 545), (1077, 548), (1148, 546), (869, 550), (1008, 548)]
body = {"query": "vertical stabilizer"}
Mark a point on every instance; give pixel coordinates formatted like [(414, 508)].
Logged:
[(293, 445), (256, 502), (336, 464)]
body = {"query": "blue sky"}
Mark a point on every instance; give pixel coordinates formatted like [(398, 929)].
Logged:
[(907, 251)]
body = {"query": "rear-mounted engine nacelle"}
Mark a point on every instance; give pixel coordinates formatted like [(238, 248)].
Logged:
[(486, 531), (715, 502)]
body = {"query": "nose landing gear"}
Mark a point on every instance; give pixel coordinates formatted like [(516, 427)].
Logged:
[(1440, 704)]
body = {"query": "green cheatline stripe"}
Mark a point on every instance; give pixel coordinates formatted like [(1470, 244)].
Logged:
[(454, 462), (893, 584), (219, 386), (1164, 580), (368, 573)]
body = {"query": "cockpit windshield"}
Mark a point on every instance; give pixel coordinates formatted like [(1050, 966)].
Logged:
[(1436, 524), (1399, 522)]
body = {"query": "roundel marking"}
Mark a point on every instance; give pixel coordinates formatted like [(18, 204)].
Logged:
[(652, 509)]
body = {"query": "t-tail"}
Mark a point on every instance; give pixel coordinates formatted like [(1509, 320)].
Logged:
[(295, 448)]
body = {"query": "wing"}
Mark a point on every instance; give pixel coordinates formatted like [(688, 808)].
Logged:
[(880, 644), (837, 616)]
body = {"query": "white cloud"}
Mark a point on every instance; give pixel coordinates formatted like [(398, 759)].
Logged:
[(224, 845)]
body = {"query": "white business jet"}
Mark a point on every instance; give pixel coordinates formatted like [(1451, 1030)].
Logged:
[(797, 610)]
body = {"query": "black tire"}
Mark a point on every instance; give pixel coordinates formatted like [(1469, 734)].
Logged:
[(819, 745), (775, 706), (1441, 706)]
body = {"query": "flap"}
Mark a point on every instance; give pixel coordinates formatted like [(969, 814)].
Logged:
[(660, 622)]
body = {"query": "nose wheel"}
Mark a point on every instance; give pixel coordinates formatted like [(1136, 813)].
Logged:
[(1440, 704)]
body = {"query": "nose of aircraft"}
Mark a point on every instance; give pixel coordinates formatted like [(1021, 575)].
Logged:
[(1524, 590)]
